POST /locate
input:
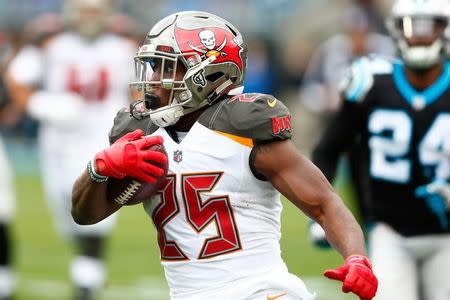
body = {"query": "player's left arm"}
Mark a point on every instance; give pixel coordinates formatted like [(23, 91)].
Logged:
[(304, 185), (299, 180), (275, 158)]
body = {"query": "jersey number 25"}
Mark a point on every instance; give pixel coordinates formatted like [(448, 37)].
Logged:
[(199, 214)]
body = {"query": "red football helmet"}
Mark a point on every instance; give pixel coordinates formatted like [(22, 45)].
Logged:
[(210, 48)]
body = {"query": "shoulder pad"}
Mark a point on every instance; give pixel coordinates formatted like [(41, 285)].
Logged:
[(124, 123), (29, 58), (359, 79), (381, 64), (259, 117)]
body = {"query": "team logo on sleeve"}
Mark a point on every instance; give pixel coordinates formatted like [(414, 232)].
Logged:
[(211, 41), (280, 124)]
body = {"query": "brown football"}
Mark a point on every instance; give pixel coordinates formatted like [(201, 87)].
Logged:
[(131, 191)]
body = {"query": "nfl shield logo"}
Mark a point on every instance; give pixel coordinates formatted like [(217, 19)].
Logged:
[(177, 156)]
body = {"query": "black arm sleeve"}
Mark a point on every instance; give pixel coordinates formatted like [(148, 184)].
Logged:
[(4, 98), (340, 134)]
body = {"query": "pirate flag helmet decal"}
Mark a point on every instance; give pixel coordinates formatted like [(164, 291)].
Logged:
[(208, 42), (210, 49)]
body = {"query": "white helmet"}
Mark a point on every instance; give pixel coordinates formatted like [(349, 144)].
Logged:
[(411, 19), (90, 18)]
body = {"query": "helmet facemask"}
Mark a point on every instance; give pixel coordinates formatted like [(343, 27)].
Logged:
[(420, 39), (419, 27), (180, 100)]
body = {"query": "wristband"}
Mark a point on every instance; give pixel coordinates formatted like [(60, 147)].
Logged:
[(94, 176)]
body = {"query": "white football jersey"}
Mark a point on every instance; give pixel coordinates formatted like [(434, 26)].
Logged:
[(99, 71), (68, 67), (218, 224), (7, 198)]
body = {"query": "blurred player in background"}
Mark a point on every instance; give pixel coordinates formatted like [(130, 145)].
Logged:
[(73, 83), (320, 88), (400, 110), (7, 195), (7, 208), (319, 91), (218, 211), (124, 25)]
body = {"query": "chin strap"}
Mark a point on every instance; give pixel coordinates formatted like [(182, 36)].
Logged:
[(167, 117), (421, 57)]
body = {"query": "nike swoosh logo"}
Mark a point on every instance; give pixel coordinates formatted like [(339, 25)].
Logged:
[(277, 296), (272, 103)]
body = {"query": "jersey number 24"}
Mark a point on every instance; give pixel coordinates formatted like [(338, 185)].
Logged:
[(389, 154)]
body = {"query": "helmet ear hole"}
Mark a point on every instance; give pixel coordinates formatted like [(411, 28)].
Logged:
[(214, 76)]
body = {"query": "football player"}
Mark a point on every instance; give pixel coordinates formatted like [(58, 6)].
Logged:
[(8, 48), (320, 94), (217, 211), (7, 208), (400, 111), (7, 213), (71, 85)]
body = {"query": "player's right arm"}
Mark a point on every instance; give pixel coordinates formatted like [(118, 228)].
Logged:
[(24, 75), (89, 202), (128, 156)]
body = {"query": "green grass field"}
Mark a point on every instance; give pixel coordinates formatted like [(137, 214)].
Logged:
[(42, 257)]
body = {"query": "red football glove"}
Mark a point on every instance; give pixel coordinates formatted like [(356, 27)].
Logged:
[(357, 277), (130, 156)]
